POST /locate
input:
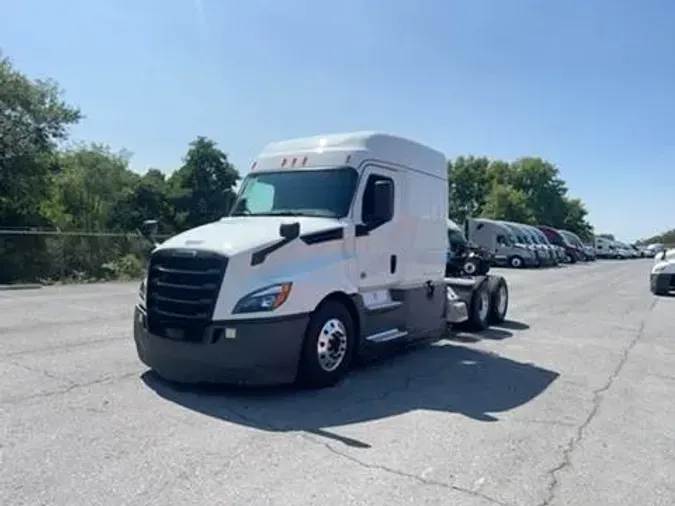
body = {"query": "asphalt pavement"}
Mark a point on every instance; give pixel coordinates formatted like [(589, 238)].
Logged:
[(571, 402)]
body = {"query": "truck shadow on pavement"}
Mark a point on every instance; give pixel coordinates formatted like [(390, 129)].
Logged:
[(439, 376), (494, 333)]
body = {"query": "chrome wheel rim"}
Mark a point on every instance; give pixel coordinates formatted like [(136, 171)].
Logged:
[(331, 346)]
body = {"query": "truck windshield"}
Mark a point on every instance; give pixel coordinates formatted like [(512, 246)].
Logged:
[(570, 239), (321, 192)]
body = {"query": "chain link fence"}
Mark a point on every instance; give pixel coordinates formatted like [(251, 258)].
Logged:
[(51, 256)]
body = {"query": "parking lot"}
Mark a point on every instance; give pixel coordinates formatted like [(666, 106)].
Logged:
[(571, 402)]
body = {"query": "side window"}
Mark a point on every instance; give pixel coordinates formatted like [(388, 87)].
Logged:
[(501, 240), (368, 204)]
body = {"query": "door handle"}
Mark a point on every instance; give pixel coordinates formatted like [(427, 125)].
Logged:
[(392, 264)]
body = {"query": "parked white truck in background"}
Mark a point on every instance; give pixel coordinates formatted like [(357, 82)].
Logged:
[(662, 277), (335, 247)]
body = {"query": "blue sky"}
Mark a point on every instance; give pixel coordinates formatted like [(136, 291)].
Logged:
[(587, 84)]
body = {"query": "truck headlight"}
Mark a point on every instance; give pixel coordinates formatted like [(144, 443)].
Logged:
[(658, 269), (265, 299)]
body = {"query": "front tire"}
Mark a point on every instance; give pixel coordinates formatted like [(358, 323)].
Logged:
[(516, 262), (329, 346)]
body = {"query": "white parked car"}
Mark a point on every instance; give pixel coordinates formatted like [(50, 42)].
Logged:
[(662, 277)]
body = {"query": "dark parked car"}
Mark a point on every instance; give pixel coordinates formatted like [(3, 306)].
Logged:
[(573, 254), (576, 242)]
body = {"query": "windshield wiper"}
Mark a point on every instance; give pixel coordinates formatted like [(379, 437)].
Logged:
[(284, 213)]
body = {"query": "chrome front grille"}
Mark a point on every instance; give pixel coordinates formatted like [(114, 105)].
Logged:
[(182, 290)]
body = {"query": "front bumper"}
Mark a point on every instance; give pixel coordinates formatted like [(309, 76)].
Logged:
[(251, 352), (532, 261), (546, 258), (662, 282)]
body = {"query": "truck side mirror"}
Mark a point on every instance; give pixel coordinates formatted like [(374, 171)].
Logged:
[(383, 202), (289, 231), (149, 230), (663, 255)]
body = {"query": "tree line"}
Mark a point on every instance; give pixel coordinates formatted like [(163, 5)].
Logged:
[(85, 191), (667, 238), (527, 190)]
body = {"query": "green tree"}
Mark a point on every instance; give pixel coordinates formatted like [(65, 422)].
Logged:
[(148, 197), (545, 191), (203, 186), (91, 181), (667, 237), (507, 203), (86, 196), (499, 173), (33, 119), (468, 186), (575, 219)]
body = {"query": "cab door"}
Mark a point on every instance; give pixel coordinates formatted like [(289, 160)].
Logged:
[(378, 248)]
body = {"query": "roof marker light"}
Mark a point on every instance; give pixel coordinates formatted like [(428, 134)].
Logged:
[(295, 160), (349, 157), (304, 161), (254, 164), (283, 162)]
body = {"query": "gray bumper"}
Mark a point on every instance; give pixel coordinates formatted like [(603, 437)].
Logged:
[(262, 352), (533, 261), (662, 283)]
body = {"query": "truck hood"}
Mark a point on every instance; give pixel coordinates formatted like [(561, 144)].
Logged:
[(244, 233)]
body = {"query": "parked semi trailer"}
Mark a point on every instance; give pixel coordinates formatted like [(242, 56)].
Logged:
[(335, 248)]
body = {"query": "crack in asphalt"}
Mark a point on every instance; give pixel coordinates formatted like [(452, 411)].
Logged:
[(409, 381), (598, 397), (35, 370), (62, 347), (72, 386), (403, 474)]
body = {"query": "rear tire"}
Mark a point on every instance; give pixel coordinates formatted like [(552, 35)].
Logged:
[(329, 346), (479, 308), (499, 299)]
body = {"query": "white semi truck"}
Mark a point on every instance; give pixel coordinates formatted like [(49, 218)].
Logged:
[(335, 247), (662, 276)]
